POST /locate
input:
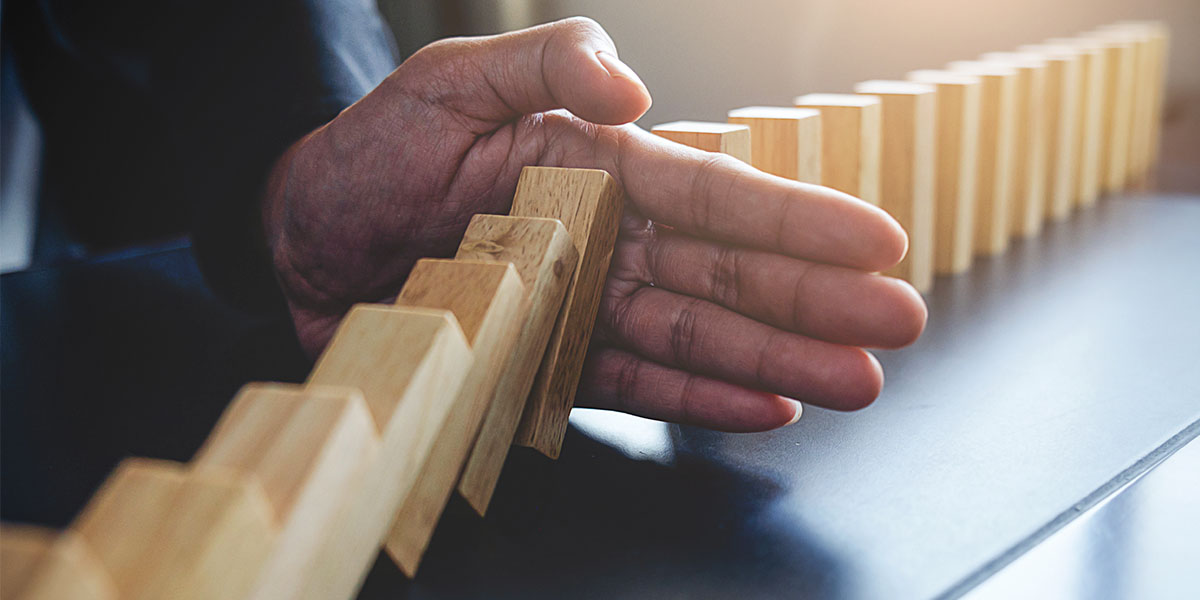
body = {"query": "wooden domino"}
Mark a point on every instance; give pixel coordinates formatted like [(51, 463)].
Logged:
[(40, 564), (784, 141), (907, 170), (1117, 119), (850, 144), (1089, 117), (726, 138), (1027, 202), (957, 147), (1062, 105)]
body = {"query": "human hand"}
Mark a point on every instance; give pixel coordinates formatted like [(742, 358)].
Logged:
[(730, 290)]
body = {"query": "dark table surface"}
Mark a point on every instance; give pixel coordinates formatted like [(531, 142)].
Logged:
[(1048, 379)]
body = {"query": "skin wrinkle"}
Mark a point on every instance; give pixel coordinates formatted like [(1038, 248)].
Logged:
[(799, 311), (725, 282), (682, 333)]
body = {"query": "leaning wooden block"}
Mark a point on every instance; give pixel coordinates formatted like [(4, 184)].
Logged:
[(1062, 105), (308, 446), (997, 145), (907, 170), (544, 257), (490, 303), (164, 531), (41, 564), (850, 145), (1027, 203), (410, 365), (784, 141), (1089, 114), (1119, 56), (958, 105), (589, 204), (727, 138)]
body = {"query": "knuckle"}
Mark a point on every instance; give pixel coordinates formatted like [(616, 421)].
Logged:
[(723, 276), (682, 330)]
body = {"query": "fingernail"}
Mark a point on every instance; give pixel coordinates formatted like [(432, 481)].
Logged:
[(799, 411), (616, 68)]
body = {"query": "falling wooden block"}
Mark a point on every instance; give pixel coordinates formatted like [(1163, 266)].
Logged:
[(542, 253), (907, 170), (41, 564), (308, 446), (1117, 120), (1089, 117), (727, 138), (1027, 203), (490, 303), (410, 365), (164, 531), (850, 145), (784, 141), (589, 204), (997, 146), (958, 106), (1062, 105)]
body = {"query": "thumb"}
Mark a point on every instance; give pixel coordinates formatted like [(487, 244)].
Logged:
[(569, 64)]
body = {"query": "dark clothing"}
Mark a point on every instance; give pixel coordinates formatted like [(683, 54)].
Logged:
[(164, 116)]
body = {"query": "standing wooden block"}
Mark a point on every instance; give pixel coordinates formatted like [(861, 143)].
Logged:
[(958, 106), (1116, 120), (850, 144), (1150, 41), (410, 365), (544, 257), (909, 113), (1062, 105), (40, 564), (307, 446), (589, 204), (784, 141), (1027, 203), (1089, 117), (730, 139), (490, 303), (997, 159)]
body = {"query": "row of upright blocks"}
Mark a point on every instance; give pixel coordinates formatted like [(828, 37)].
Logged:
[(973, 155)]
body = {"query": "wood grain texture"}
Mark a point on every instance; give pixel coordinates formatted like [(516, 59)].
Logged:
[(491, 304), (997, 144), (542, 253), (307, 445), (958, 106), (1088, 116), (907, 170), (410, 365), (727, 138), (42, 564), (589, 204), (1027, 203), (1062, 104), (784, 141), (850, 142)]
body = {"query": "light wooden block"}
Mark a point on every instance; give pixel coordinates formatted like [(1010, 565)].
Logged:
[(542, 253), (1089, 117), (164, 531), (958, 109), (1150, 40), (410, 365), (850, 142), (308, 447), (730, 139), (1027, 203), (909, 115), (589, 204), (490, 303), (1062, 105), (41, 564), (784, 141), (997, 158), (1117, 120)]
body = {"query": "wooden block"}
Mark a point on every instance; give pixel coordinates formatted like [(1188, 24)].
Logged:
[(909, 113), (784, 141), (544, 257), (307, 446), (1089, 114), (997, 146), (1117, 119), (1027, 203), (42, 564), (730, 139), (1150, 40), (165, 532), (410, 365), (490, 303), (958, 106), (1062, 104), (589, 204), (850, 144)]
